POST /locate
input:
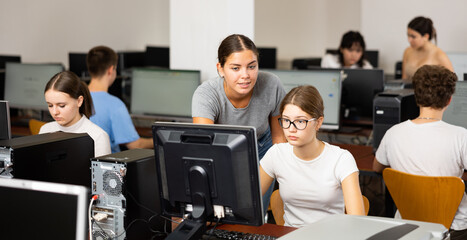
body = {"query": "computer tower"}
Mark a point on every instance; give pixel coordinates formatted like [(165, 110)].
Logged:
[(126, 183), (52, 157), (390, 108)]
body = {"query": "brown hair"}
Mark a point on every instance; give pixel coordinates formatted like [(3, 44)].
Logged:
[(433, 86), (99, 59), (235, 43), (307, 98), (69, 83), (423, 26)]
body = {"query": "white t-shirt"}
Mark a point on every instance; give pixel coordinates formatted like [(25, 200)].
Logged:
[(332, 61), (310, 190), (430, 149), (84, 125)]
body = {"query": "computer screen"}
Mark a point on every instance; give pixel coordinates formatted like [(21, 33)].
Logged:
[(157, 57), (359, 88), (267, 57), (25, 83), (328, 83), (201, 165), (130, 59), (459, 63), (42, 210), (3, 60), (78, 65), (163, 92), (5, 124), (456, 113)]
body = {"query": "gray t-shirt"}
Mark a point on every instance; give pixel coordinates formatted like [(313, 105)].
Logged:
[(209, 101)]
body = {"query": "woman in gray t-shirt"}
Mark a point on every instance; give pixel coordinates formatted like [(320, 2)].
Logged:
[(241, 95)]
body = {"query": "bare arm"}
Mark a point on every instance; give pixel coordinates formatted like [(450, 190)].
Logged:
[(141, 143), (202, 120), (444, 60), (277, 134), (352, 195), (265, 179), (404, 63), (378, 167)]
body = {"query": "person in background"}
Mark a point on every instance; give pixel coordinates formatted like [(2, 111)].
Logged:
[(427, 145), (111, 113), (351, 53), (422, 51), (70, 105), (241, 95), (316, 179)]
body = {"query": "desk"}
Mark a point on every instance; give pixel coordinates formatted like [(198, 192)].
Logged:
[(266, 229)]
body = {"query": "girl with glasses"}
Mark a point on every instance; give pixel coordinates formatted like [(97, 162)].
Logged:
[(316, 179)]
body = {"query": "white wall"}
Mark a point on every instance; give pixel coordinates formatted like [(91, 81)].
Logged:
[(303, 28), (384, 24), (46, 30), (197, 27)]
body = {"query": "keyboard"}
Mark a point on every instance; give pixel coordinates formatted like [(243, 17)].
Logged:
[(225, 234)]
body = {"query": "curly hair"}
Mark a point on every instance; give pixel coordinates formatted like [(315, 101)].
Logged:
[(433, 86)]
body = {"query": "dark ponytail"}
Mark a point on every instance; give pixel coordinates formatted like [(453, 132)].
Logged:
[(423, 26)]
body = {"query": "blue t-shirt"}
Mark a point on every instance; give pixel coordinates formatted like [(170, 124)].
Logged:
[(112, 115)]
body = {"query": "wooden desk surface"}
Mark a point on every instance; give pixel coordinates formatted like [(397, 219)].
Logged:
[(266, 229)]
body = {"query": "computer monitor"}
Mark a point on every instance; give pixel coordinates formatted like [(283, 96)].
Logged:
[(371, 55), (200, 166), (163, 92), (42, 210), (130, 59), (328, 83), (157, 57), (5, 125), (25, 83), (456, 113), (78, 65), (3, 60), (359, 88), (267, 58), (459, 63)]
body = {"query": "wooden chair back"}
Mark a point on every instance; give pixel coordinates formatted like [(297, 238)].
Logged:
[(425, 198), (35, 126)]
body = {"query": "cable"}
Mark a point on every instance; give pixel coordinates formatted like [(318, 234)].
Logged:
[(150, 210), (212, 229), (90, 215)]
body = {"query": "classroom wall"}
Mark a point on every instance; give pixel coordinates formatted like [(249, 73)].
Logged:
[(46, 30), (303, 28)]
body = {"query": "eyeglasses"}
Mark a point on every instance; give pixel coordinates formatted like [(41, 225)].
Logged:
[(299, 124)]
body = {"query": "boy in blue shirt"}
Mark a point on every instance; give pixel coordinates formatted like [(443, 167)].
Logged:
[(111, 113)]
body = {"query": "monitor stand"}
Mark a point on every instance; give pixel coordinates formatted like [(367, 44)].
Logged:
[(194, 228)]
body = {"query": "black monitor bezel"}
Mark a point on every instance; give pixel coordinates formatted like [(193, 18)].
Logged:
[(190, 128)]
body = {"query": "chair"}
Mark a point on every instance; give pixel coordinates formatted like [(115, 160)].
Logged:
[(35, 126), (425, 198), (277, 207)]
